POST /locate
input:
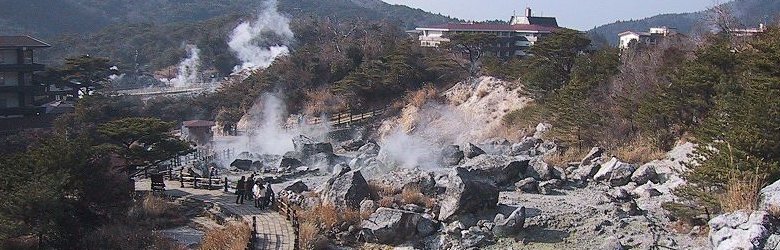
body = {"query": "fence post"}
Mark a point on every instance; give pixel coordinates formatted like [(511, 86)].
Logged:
[(226, 185), (254, 230)]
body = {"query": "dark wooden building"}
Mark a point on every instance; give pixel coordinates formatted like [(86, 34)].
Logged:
[(18, 89)]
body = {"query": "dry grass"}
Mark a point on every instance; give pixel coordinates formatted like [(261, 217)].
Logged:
[(309, 235), (774, 210), (320, 221), (386, 201), (638, 150), (127, 236), (233, 237), (412, 195), (323, 101), (742, 192), (422, 96), (156, 213), (570, 155), (382, 190)]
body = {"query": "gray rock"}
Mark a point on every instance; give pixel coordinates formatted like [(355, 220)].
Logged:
[(611, 243), (245, 165), (646, 191), (770, 196), (621, 174), (451, 155), (393, 226), (539, 170), (773, 242), (368, 207), (471, 151), (620, 194), (511, 225), (413, 208), (740, 230), (502, 170), (467, 193), (585, 172), (290, 160), (297, 187), (541, 129), (346, 189), (594, 153), (369, 148), (528, 185), (645, 173), (550, 187), (353, 145), (476, 237), (524, 146), (615, 172)]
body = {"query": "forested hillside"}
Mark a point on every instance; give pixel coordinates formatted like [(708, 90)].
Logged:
[(48, 19), (749, 13)]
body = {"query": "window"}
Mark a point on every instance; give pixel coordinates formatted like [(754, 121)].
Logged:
[(2, 78)]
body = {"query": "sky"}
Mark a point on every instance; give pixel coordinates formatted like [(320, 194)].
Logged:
[(576, 14)]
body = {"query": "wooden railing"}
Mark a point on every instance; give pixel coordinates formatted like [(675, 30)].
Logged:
[(288, 211)]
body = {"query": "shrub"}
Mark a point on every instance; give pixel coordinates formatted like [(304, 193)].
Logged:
[(235, 236), (420, 97), (156, 213), (742, 192), (321, 221), (526, 118), (382, 190)]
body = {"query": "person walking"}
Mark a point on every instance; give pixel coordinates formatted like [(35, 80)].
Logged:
[(240, 187), (270, 196), (250, 183), (257, 191)]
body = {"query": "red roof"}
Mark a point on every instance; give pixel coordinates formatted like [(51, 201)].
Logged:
[(492, 27), (21, 41), (199, 123)]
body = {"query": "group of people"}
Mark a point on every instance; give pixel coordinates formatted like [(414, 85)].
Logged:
[(254, 189)]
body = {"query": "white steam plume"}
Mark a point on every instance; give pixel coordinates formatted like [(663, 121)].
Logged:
[(258, 43), (265, 128), (188, 69)]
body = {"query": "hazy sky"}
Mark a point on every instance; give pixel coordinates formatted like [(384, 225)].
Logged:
[(577, 14)]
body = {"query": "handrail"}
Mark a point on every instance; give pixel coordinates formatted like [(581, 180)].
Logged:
[(291, 214)]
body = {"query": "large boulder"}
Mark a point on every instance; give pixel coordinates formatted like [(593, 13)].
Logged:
[(645, 173), (740, 230), (393, 226), (502, 170), (539, 170), (525, 146), (451, 155), (770, 196), (290, 160), (346, 189), (594, 154), (585, 172), (467, 193), (471, 151), (369, 148), (297, 187), (528, 185), (615, 172), (505, 227), (245, 165)]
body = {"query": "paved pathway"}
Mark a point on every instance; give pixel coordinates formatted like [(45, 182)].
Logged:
[(274, 231)]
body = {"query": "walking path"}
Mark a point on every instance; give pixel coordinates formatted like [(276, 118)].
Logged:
[(274, 231)]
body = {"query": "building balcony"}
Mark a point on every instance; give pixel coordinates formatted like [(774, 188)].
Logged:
[(21, 67), (22, 111), (23, 89)]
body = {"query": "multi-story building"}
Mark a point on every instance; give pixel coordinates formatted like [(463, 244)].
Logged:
[(513, 38), (17, 65), (653, 37)]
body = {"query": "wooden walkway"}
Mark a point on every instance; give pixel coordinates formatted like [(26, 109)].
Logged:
[(274, 231)]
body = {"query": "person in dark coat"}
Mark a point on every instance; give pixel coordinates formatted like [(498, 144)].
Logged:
[(240, 190), (270, 196), (250, 183)]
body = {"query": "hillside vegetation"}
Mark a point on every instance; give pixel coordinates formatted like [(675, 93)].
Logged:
[(749, 13)]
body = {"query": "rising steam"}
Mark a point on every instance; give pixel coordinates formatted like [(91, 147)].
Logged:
[(189, 69), (259, 42)]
